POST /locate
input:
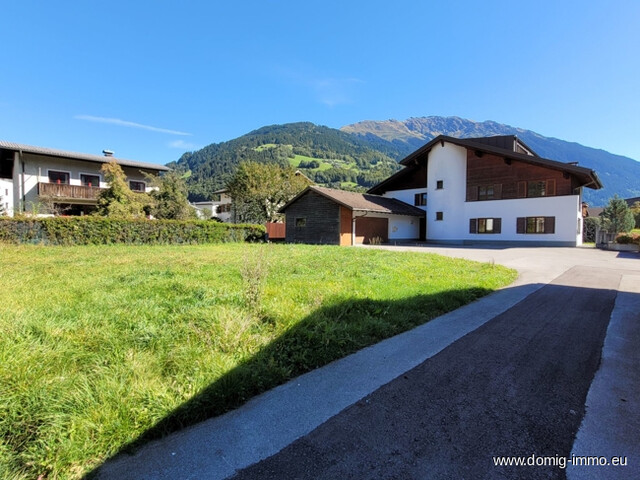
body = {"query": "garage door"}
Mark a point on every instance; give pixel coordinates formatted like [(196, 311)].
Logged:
[(370, 227)]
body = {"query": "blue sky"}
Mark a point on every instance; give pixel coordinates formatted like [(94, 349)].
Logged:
[(153, 79)]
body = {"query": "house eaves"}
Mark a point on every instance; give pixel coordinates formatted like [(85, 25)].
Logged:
[(86, 157)]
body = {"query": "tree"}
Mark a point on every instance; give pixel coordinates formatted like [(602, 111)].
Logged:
[(635, 210), (170, 197), (259, 190), (617, 216), (118, 200)]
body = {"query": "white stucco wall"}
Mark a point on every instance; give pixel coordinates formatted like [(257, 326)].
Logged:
[(6, 192), (565, 209), (448, 164), (407, 196), (404, 228), (400, 227)]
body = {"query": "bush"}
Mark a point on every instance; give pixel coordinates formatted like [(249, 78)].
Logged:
[(105, 231), (628, 239)]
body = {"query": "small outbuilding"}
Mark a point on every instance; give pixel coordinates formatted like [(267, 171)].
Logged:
[(328, 216)]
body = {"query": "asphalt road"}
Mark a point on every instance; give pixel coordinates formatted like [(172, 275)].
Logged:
[(516, 386)]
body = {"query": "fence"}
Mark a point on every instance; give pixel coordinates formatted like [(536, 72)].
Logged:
[(276, 231)]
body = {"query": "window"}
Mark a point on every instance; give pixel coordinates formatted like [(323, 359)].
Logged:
[(58, 177), (6, 168), (536, 189), (439, 184), (439, 216), (90, 180), (486, 192), (485, 225), (535, 225), (224, 208), (420, 199), (137, 186), (301, 222)]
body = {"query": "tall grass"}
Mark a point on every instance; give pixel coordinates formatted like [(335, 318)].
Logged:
[(99, 344)]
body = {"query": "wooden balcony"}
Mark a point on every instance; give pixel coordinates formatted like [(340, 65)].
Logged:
[(77, 193)]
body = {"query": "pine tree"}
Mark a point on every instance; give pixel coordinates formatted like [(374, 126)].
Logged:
[(617, 217)]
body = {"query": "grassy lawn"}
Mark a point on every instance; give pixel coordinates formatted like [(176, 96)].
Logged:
[(107, 346)]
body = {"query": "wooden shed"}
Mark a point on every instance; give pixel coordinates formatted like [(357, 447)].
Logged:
[(328, 216)]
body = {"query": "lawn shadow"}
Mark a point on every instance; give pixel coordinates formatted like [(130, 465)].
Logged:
[(329, 333)]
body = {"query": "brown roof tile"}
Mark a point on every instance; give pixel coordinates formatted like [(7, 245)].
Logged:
[(363, 202)]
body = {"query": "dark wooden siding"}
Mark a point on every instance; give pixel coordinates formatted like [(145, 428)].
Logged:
[(512, 176), (414, 176), (322, 220)]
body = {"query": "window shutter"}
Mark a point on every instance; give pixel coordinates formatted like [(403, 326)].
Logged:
[(416, 199), (551, 188), (521, 225), (497, 191), (472, 194), (473, 225), (549, 224), (497, 225), (522, 189)]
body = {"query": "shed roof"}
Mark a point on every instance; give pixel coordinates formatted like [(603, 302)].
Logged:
[(87, 157), (362, 202)]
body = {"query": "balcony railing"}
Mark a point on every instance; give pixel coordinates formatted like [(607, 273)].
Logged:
[(70, 192)]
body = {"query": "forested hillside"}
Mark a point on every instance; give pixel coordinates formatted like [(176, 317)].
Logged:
[(325, 155)]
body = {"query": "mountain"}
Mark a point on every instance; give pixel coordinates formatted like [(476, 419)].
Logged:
[(360, 155), (620, 175), (326, 155)]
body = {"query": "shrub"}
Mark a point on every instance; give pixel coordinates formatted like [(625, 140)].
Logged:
[(105, 231), (628, 238)]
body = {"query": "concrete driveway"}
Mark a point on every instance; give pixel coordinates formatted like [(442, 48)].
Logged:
[(545, 368)]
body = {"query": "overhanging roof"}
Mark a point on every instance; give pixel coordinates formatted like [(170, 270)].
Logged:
[(86, 157), (362, 202), (586, 176)]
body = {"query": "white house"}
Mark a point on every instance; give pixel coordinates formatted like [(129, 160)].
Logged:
[(221, 207), (69, 182), (491, 190)]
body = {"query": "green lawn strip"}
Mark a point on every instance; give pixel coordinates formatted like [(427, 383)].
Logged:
[(107, 346)]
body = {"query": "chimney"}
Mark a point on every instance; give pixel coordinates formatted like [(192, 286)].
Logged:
[(108, 153)]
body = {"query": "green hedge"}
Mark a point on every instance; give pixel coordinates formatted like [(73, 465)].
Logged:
[(104, 231)]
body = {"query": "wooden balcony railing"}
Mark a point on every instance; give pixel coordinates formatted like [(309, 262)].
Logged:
[(77, 192)]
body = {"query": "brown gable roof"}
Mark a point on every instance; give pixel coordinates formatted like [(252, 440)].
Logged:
[(362, 202), (87, 157), (586, 176)]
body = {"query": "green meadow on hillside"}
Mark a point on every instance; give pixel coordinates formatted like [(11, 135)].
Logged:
[(102, 347)]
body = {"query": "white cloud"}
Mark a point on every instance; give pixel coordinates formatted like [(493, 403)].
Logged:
[(182, 145), (125, 123)]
